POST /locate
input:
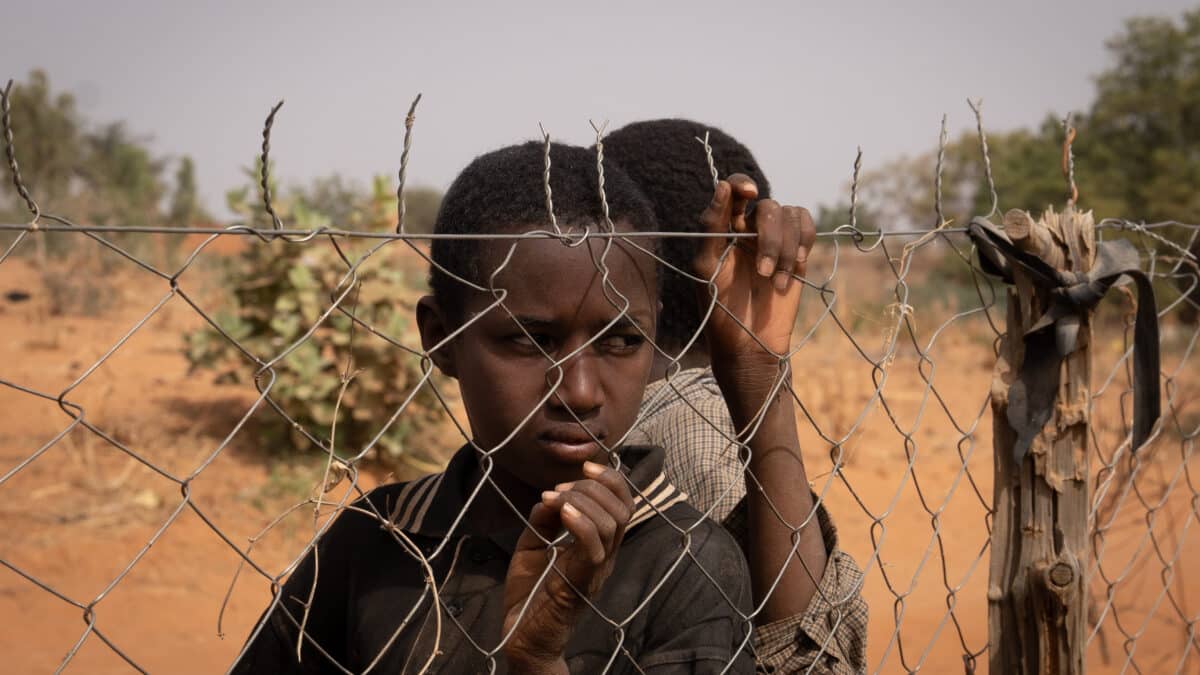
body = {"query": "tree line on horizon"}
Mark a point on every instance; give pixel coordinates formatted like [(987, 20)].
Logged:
[(105, 174), (1137, 148), (1137, 156)]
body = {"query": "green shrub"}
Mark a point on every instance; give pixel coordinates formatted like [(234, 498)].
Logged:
[(279, 291)]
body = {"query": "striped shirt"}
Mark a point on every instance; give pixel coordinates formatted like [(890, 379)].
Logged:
[(378, 565)]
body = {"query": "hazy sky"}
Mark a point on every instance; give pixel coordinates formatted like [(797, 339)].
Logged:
[(802, 85)]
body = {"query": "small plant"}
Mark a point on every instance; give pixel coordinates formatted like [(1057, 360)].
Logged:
[(280, 290)]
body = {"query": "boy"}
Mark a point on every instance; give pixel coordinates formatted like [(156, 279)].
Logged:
[(820, 619), (551, 347)]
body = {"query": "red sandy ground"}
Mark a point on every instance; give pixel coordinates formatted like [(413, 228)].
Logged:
[(75, 517)]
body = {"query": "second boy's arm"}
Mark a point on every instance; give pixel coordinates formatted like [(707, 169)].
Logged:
[(747, 339)]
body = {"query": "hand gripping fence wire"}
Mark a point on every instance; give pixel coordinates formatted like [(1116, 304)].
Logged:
[(890, 373)]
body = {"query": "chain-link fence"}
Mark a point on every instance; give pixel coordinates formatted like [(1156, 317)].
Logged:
[(136, 496)]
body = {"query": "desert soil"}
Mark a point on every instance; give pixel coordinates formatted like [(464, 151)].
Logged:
[(76, 516)]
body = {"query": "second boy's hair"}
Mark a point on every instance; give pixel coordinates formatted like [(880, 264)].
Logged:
[(503, 190), (667, 162)]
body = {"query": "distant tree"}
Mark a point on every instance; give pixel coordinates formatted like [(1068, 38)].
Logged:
[(900, 194), (47, 135), (103, 175), (1145, 121), (1137, 150), (185, 206), (333, 201), (421, 207), (829, 218), (339, 201), (124, 177), (1027, 166), (343, 204)]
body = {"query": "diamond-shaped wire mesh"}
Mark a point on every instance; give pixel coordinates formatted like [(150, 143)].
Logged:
[(891, 374)]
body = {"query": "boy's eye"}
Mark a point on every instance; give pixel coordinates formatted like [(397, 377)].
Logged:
[(621, 342), (533, 341)]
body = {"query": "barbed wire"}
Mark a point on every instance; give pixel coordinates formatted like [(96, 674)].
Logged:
[(878, 359)]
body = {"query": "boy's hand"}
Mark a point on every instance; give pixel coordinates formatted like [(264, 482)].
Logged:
[(754, 282), (594, 511)]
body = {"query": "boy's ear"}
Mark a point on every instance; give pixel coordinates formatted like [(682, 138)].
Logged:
[(432, 323)]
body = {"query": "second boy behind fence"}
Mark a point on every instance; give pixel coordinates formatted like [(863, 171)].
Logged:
[(552, 346), (813, 617)]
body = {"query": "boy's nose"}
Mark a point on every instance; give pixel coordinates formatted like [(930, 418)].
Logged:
[(580, 390)]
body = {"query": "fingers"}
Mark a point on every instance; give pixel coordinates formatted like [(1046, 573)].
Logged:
[(614, 508), (594, 528), (595, 510), (715, 220), (806, 230), (789, 249), (785, 237), (743, 191), (544, 525), (611, 479), (726, 212), (773, 238)]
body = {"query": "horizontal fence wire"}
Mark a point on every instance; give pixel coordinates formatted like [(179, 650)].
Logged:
[(889, 371)]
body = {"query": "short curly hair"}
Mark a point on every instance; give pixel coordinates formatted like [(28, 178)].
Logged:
[(502, 191), (667, 162)]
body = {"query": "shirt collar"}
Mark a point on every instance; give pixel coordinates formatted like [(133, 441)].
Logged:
[(433, 505)]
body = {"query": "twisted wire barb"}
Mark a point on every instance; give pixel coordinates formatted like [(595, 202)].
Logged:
[(409, 120), (9, 150), (708, 157), (265, 169), (608, 224), (1068, 159), (977, 108), (937, 181), (854, 190), (546, 181)]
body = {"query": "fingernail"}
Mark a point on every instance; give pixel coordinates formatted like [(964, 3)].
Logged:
[(570, 510), (563, 487), (549, 496), (766, 265), (781, 281), (592, 469)]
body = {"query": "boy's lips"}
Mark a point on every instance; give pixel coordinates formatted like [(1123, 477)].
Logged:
[(572, 445)]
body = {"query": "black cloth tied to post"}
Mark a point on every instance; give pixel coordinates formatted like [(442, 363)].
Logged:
[(1055, 335)]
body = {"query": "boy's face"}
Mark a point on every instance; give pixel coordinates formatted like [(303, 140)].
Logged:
[(561, 300)]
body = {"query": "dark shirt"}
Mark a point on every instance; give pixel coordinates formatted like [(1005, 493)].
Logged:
[(659, 611)]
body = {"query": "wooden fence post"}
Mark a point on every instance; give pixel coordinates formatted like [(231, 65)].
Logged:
[(1037, 600)]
